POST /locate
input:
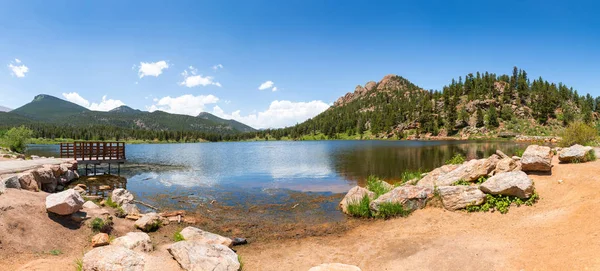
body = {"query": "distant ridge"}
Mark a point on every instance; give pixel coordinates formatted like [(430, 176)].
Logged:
[(235, 124), (4, 109), (46, 107)]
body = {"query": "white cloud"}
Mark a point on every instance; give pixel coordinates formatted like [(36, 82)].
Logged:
[(191, 79), (274, 89), (152, 68), (105, 105), (217, 67), (266, 85), (186, 104), (18, 70), (279, 114)]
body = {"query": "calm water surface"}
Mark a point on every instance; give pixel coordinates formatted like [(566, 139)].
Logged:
[(249, 173)]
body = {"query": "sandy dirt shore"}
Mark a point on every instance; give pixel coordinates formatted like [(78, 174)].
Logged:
[(560, 232)]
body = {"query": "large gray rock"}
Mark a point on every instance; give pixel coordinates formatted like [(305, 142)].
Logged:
[(11, 182), (64, 203), (137, 241), (469, 171), (515, 183), (537, 158), (121, 196), (113, 258), (335, 267), (507, 165), (29, 182), (411, 197), (71, 175), (355, 195), (200, 256), (430, 179), (44, 175), (130, 209), (576, 153), (149, 222), (195, 234), (460, 196)]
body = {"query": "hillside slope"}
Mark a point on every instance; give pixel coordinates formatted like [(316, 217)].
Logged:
[(48, 108)]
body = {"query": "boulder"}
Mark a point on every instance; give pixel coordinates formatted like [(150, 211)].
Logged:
[(430, 179), (121, 196), (137, 241), (100, 239), (575, 153), (501, 154), (71, 175), (50, 187), (64, 203), (335, 267), (411, 197), (113, 258), (469, 171), (56, 170), (515, 183), (460, 196), (130, 209), (44, 175), (149, 222), (200, 256), (355, 195), (371, 85), (507, 165), (90, 205), (12, 182), (29, 182), (195, 234), (537, 158)]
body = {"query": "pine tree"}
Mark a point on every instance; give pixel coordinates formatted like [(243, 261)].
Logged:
[(479, 122), (493, 117)]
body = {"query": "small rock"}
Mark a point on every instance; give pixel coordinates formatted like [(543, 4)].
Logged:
[(515, 183), (507, 165), (79, 216), (104, 187), (137, 241), (193, 234), (64, 203), (355, 195), (130, 209), (149, 222), (90, 205), (537, 158), (560, 181), (460, 196), (113, 258), (335, 267), (100, 239), (12, 182), (238, 241), (121, 196), (197, 255)]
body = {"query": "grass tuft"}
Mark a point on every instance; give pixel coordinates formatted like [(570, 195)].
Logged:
[(55, 252), (178, 237), (360, 208), (377, 186), (389, 209), (502, 203), (79, 264), (461, 182), (111, 203), (457, 159), (410, 175)]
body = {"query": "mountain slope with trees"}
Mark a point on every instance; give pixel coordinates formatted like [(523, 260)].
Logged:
[(480, 104)]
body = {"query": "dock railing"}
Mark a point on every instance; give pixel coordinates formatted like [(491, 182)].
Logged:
[(94, 151)]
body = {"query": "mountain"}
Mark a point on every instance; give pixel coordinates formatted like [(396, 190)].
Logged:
[(47, 108), (49, 113), (477, 105), (4, 109), (235, 124)]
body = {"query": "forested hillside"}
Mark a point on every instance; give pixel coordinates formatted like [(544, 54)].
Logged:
[(480, 104)]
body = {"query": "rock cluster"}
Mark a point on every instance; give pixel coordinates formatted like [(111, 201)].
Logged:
[(49, 178)]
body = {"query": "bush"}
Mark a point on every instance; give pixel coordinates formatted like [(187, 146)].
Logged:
[(101, 225), (502, 203), (578, 133), (457, 159), (17, 138)]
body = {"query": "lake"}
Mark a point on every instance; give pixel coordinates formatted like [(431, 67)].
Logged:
[(267, 178)]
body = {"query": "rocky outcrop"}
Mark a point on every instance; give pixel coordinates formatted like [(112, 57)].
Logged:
[(29, 182), (195, 234), (576, 153), (370, 86), (507, 165), (113, 258), (460, 196), (45, 177), (430, 179), (355, 195), (537, 158), (200, 256), (121, 196), (411, 198), (64, 203), (149, 222), (137, 241), (515, 183), (469, 171), (100, 239), (335, 267)]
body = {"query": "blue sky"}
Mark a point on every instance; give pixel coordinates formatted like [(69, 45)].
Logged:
[(312, 51)]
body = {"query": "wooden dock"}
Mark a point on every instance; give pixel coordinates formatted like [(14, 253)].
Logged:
[(95, 153)]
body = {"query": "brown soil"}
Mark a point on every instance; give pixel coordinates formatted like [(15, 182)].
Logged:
[(560, 232)]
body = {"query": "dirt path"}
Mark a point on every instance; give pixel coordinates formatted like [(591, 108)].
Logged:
[(560, 232), (14, 166)]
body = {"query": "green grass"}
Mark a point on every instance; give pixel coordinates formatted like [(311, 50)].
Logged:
[(481, 180), (502, 203), (101, 225), (410, 175), (241, 262), (377, 186), (177, 236), (457, 159), (389, 209), (519, 152), (360, 208), (79, 264), (55, 252), (110, 203), (461, 182)]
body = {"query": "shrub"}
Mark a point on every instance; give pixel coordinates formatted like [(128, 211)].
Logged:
[(377, 186), (17, 138), (461, 182), (360, 208), (178, 237), (578, 133), (457, 159), (389, 209), (101, 225), (502, 203), (110, 203)]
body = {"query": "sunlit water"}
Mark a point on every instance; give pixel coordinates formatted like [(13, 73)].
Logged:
[(249, 173)]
